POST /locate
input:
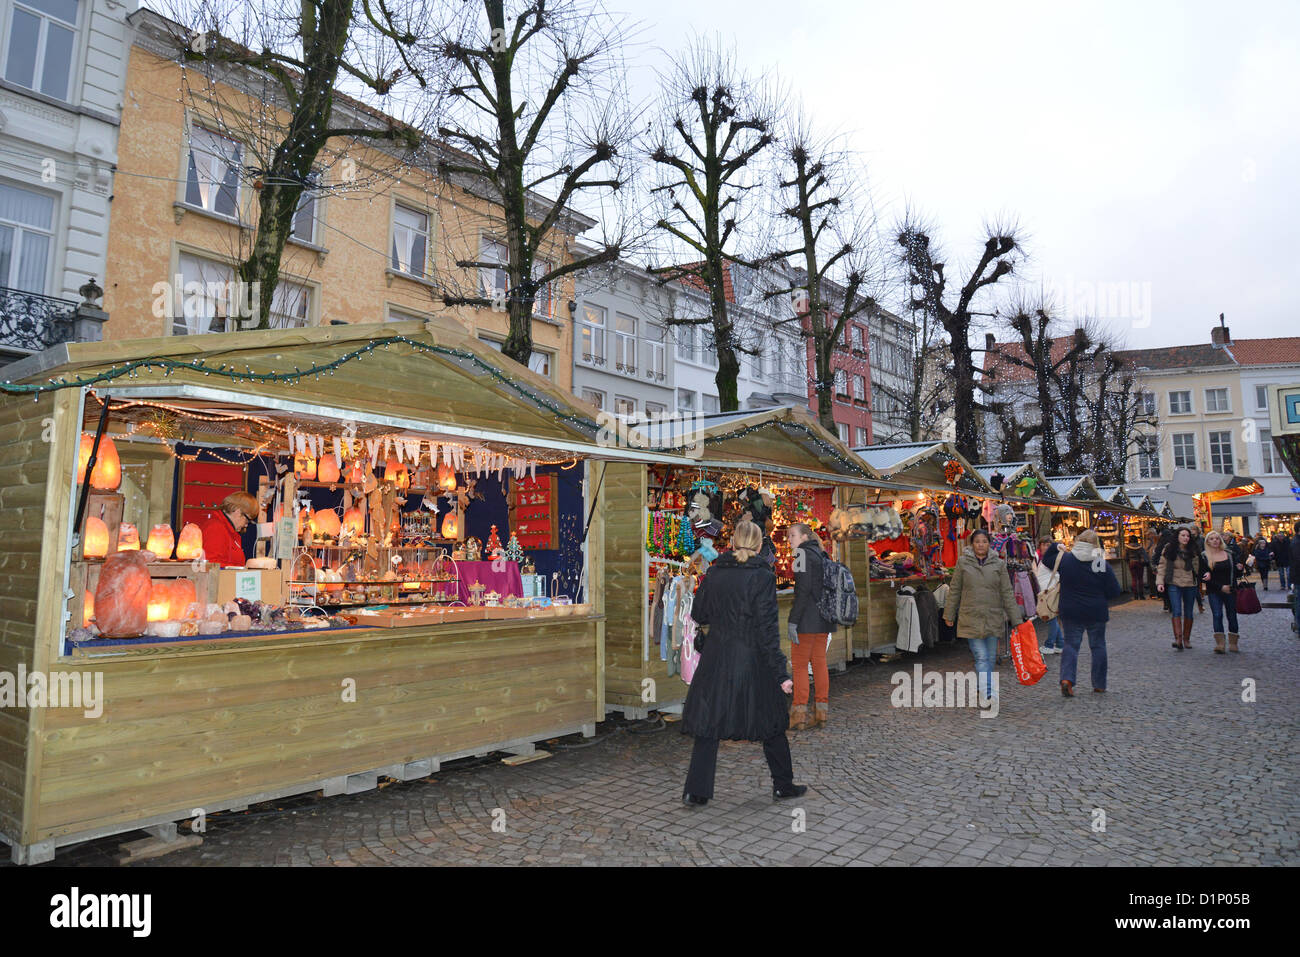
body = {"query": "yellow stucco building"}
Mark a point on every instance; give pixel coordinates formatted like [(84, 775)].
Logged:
[(378, 239)]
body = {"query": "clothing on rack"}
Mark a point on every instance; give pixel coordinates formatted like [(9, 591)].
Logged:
[(928, 609), (909, 620)]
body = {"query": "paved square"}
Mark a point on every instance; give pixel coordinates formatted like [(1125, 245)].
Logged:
[(1184, 771)]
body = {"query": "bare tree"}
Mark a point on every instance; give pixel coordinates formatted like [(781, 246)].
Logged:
[(717, 123), (925, 400), (836, 274), (926, 272), (537, 109), (304, 53)]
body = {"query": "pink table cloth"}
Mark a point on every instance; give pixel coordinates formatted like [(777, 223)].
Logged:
[(506, 582)]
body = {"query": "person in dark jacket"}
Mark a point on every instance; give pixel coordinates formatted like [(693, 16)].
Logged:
[(808, 630), (1282, 546), (1264, 561), (1295, 578), (738, 691), (1087, 585)]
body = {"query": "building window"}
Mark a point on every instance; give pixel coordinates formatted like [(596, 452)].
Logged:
[(1221, 453), (1147, 404), (410, 241), (26, 232), (1261, 398), (1180, 403), (396, 315), (303, 225), (290, 306), (708, 349), (42, 36), (624, 343), (206, 300), (212, 179), (841, 383), (655, 354), (540, 362), (686, 343), (710, 404), (874, 352), (859, 339), (543, 299), (624, 407), (594, 397), (860, 387), (685, 400), (862, 436), (1185, 451), (1272, 465), (1148, 457), (1216, 400), (591, 334), (842, 429), (655, 410)]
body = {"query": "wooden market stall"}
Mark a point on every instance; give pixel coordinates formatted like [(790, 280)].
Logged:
[(300, 670), (784, 451), (1029, 491), (931, 475)]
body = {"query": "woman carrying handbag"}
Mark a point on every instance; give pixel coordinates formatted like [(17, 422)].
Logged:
[(1220, 587)]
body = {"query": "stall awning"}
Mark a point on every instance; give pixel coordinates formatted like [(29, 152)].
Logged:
[(925, 464), (1213, 485), (431, 378), (1022, 479)]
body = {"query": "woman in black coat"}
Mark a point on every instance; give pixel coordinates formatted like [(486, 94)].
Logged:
[(739, 688)]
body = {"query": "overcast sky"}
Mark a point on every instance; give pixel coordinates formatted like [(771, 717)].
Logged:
[(1151, 150)]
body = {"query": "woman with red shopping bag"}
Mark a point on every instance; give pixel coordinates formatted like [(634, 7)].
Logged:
[(1087, 585), (981, 602)]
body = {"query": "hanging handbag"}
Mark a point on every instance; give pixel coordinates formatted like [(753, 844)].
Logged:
[(1049, 599), (1247, 599)]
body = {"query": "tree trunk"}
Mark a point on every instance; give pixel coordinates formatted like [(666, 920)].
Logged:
[(963, 407)]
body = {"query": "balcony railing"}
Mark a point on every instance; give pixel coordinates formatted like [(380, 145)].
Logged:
[(30, 322)]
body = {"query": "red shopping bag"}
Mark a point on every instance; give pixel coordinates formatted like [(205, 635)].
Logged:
[(1024, 654)]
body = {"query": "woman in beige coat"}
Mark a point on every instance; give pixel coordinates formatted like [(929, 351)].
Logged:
[(981, 602)]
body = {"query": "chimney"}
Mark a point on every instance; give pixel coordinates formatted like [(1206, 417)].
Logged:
[(1221, 335)]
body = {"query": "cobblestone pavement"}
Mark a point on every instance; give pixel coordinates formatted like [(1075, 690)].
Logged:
[(1185, 771)]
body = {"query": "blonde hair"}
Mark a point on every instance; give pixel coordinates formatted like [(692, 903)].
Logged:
[(746, 540), (240, 502), (1089, 536), (1222, 546)]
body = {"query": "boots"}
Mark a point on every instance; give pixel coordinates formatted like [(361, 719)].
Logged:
[(1232, 641), (1178, 634), (1187, 631), (799, 718), (821, 711), (1218, 642)]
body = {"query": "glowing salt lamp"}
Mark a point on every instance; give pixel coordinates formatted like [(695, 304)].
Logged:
[(161, 541), (96, 545), (122, 595), (128, 538), (395, 472), (304, 468), (446, 478), (328, 469), (89, 610), (450, 526), (356, 472), (326, 521), (159, 600), (181, 593), (108, 466), (190, 545), (354, 522)]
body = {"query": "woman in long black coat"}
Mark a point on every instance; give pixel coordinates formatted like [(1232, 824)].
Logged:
[(739, 688)]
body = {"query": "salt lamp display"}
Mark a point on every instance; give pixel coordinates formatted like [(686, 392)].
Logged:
[(450, 527), (446, 478), (395, 472), (356, 472), (128, 538), (122, 595), (328, 469), (88, 609), (159, 600), (304, 467), (326, 521), (161, 541), (107, 474), (96, 544), (190, 545), (181, 593)]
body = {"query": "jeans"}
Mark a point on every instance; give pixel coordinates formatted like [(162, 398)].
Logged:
[(1055, 636), (1096, 645), (811, 648), (1282, 571), (1182, 600), (985, 651), (704, 764), (1219, 602), (1263, 576)]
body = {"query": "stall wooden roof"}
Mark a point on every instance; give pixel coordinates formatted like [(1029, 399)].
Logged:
[(1013, 473), (1076, 488), (783, 439), (922, 463), (1115, 495), (411, 375)]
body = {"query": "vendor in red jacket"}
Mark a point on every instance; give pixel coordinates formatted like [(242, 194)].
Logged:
[(221, 530)]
